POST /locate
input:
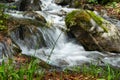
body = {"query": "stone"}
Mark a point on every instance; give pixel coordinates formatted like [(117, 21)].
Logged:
[(26, 31), (93, 32), (7, 47), (29, 5), (6, 1), (35, 15), (62, 2)]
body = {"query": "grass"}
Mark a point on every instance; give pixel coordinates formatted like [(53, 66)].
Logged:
[(33, 71), (102, 73), (26, 71)]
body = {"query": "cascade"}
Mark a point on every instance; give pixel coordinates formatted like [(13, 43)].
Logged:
[(62, 50)]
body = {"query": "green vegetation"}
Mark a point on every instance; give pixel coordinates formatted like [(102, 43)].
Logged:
[(101, 73), (3, 18), (99, 20), (34, 70), (93, 1), (82, 18), (78, 17), (28, 71), (69, 18)]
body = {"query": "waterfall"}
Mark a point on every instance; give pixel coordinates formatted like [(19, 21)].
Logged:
[(62, 50)]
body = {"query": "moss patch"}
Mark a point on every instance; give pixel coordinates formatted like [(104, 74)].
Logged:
[(99, 20), (83, 18), (78, 17)]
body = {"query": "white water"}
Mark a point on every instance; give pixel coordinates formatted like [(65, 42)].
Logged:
[(66, 52)]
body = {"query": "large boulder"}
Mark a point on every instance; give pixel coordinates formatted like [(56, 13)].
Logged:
[(92, 31)]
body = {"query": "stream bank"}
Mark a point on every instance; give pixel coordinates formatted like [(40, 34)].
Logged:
[(45, 36)]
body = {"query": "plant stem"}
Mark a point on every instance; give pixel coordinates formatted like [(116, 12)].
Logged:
[(48, 59)]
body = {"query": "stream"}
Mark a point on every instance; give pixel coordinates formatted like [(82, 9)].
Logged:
[(62, 50)]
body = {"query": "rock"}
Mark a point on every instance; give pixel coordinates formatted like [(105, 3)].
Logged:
[(88, 7), (84, 4), (33, 18), (29, 5), (26, 31), (28, 36), (7, 47), (77, 3), (35, 15), (62, 2), (93, 32), (6, 1), (22, 31)]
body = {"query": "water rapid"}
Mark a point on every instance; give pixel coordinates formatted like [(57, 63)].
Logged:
[(61, 50)]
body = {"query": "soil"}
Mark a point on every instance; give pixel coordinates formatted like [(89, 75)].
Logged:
[(70, 76), (111, 10)]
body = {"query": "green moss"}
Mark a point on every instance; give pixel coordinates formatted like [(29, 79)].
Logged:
[(99, 20), (2, 27), (70, 19), (82, 18), (77, 17), (77, 4)]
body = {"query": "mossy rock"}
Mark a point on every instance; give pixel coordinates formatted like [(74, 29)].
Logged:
[(83, 18), (92, 31), (70, 20)]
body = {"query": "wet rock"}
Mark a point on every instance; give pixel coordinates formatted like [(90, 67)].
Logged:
[(6, 1), (84, 4), (77, 3), (62, 2), (88, 7), (26, 31), (28, 36), (7, 47), (32, 18), (93, 32), (28, 5), (35, 15)]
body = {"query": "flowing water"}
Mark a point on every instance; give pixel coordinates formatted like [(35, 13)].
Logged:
[(61, 50)]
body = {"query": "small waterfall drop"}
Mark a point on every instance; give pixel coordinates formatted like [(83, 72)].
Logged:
[(62, 50)]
